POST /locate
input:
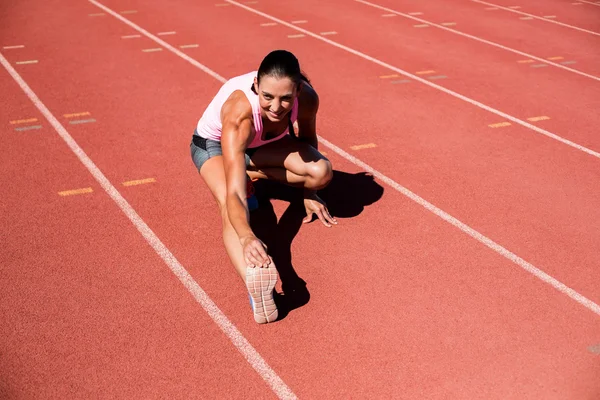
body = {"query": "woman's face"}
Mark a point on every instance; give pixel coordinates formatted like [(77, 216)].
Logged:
[(276, 97)]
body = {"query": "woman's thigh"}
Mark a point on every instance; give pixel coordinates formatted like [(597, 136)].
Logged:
[(289, 153)]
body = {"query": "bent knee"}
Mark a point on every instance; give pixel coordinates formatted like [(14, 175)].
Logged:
[(321, 173)]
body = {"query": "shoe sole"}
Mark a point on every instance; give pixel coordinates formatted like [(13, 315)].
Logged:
[(260, 283)]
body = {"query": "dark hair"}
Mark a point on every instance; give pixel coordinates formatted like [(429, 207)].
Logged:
[(281, 64)]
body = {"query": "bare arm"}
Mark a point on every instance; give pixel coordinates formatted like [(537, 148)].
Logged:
[(308, 107), (236, 116)]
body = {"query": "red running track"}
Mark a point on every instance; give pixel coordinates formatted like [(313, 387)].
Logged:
[(402, 304)]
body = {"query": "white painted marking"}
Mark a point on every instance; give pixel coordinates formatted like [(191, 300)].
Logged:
[(27, 62), (424, 81), (329, 33), (540, 18), (157, 40), (188, 46), (587, 2), (595, 308), (20, 46), (28, 128), (575, 71), (166, 33), (130, 36), (538, 273), (568, 62), (239, 341)]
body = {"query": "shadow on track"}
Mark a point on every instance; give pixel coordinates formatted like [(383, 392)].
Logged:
[(346, 196)]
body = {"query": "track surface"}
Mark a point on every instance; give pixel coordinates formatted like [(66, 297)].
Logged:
[(398, 302)]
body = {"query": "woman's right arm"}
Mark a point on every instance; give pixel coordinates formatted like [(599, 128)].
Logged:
[(236, 117)]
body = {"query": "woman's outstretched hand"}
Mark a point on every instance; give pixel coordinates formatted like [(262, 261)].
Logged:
[(315, 205), (255, 252)]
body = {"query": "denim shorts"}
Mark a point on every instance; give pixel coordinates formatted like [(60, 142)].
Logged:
[(204, 149)]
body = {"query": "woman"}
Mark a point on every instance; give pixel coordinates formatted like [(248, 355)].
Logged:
[(261, 125)]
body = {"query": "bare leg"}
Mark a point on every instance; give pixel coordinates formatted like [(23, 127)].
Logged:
[(213, 174)]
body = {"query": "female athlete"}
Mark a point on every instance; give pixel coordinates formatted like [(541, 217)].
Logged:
[(261, 125)]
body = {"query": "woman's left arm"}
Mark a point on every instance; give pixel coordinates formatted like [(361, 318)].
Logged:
[(306, 124)]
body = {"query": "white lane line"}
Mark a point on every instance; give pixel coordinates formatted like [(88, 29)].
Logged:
[(595, 308), (478, 39), (239, 341), (166, 33), (597, 4), (424, 81), (538, 273), (158, 40), (540, 18)]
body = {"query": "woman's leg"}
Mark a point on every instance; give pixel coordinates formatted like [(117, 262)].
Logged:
[(259, 281), (292, 162)]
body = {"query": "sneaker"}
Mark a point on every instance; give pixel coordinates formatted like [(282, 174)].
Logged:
[(260, 283)]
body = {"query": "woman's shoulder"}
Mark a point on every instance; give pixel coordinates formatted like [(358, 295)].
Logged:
[(308, 99), (237, 107)]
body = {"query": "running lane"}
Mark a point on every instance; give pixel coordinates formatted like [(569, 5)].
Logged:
[(380, 311), (486, 74), (573, 47), (555, 10), (87, 308)]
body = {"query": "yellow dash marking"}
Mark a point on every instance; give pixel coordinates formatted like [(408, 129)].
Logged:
[(499, 124), (363, 146), (525, 18), (296, 36), (23, 121), (80, 114), (323, 153), (139, 182), (300, 21), (166, 33), (96, 15), (425, 72), (152, 50), (389, 76), (129, 12), (550, 16), (421, 26), (269, 24), (130, 36), (514, 7), (388, 15), (448, 23), (555, 58), (415, 13), (525, 61), (329, 33), (13, 47), (491, 8), (540, 118), (222, 4), (188, 46), (27, 62), (76, 191)]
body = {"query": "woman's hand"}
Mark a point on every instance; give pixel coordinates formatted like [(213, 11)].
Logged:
[(315, 205), (255, 252)]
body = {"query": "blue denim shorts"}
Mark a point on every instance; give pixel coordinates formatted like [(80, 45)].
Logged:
[(204, 149)]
